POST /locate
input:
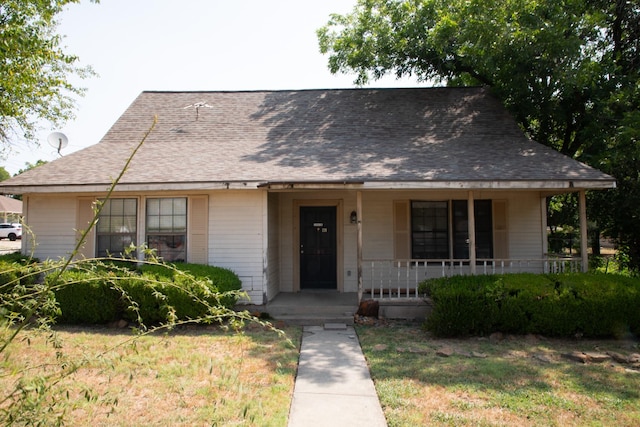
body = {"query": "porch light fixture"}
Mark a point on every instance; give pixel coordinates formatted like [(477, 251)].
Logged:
[(353, 217)]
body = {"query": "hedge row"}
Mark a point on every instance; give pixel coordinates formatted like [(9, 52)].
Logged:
[(100, 293), (150, 294), (589, 305)]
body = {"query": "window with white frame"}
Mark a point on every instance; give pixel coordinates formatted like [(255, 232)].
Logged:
[(116, 229), (166, 227)]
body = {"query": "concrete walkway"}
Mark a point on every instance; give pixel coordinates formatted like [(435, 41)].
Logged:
[(333, 386)]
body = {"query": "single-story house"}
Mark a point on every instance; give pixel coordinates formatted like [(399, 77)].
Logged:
[(351, 190)]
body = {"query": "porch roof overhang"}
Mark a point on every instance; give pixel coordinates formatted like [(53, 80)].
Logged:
[(553, 186)]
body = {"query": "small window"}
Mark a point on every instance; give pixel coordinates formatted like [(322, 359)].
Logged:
[(117, 227), (167, 227)]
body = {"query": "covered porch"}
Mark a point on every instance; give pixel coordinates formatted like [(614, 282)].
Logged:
[(374, 238)]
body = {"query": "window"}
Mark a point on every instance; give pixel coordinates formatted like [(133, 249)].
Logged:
[(437, 235), (116, 229), (429, 230), (167, 227)]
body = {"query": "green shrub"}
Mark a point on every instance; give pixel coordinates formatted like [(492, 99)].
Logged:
[(84, 298), (221, 280), (592, 305), (151, 294)]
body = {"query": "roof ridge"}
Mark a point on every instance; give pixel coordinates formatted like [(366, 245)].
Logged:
[(413, 88)]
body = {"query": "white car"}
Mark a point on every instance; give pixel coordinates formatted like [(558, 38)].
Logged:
[(10, 231)]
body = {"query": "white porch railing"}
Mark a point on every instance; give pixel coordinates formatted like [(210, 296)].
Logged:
[(400, 278)]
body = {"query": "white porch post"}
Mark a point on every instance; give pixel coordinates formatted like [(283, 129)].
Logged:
[(544, 225), (359, 244), (472, 233), (584, 244)]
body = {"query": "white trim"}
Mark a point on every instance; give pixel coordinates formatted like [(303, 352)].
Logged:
[(571, 185)]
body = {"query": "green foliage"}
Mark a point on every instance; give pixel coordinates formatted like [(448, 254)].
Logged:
[(4, 175), (221, 279), (83, 298), (29, 166), (149, 295), (590, 305), (20, 292), (34, 68)]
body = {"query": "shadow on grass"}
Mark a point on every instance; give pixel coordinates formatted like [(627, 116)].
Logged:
[(510, 367)]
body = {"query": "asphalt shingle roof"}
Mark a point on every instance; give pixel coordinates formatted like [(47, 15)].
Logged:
[(346, 135)]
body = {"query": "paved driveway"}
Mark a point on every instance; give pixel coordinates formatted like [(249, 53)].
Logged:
[(7, 246)]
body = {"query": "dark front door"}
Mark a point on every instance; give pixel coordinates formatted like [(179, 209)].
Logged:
[(318, 247)]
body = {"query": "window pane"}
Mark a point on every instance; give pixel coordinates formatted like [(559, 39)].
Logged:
[(153, 223), (130, 223), (117, 207), (180, 206), (153, 206), (130, 207), (166, 207), (116, 228), (104, 224), (180, 223), (166, 223)]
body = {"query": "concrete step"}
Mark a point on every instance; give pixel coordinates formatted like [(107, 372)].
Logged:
[(316, 320), (311, 310)]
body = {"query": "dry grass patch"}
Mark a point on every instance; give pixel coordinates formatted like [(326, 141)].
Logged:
[(516, 381), (197, 376)]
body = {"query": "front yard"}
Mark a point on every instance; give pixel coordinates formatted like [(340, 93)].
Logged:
[(197, 376), (502, 381), (205, 376)]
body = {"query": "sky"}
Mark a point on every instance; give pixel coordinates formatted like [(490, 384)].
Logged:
[(138, 45)]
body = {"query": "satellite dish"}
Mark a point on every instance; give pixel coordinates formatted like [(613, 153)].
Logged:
[(58, 140)]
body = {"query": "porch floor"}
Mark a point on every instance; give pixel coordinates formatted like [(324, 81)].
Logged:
[(313, 307)]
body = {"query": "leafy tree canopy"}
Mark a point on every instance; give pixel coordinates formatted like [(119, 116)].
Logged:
[(34, 69)]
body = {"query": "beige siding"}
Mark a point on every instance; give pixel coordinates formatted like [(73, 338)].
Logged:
[(85, 216), (236, 236), (53, 221), (525, 226)]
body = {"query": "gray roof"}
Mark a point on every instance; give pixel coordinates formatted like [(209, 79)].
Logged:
[(430, 136)]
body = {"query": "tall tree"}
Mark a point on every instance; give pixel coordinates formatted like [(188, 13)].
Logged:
[(34, 69), (568, 70)]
